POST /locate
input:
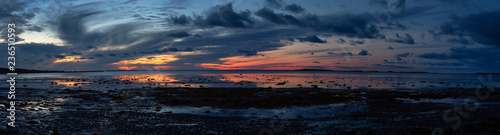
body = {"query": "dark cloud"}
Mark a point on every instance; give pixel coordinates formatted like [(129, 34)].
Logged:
[(341, 41), (294, 8), (317, 62), (340, 54), (407, 39), (394, 26), (346, 53), (179, 34), (351, 25), (224, 16), (269, 15), (247, 52), (400, 56), (60, 56), (70, 27), (180, 20), (363, 53), (460, 40), (484, 58), (36, 28), (481, 27), (356, 42), (404, 55), (312, 38), (390, 48), (392, 62), (17, 12)]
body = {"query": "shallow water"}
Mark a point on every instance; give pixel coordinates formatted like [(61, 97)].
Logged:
[(49, 98), (253, 79)]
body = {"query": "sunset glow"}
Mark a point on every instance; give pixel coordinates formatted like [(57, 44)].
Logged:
[(154, 60), (75, 58)]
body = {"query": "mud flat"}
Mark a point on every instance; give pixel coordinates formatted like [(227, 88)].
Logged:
[(250, 111)]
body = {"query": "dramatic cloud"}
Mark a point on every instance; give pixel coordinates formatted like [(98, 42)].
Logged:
[(407, 39), (180, 20), (363, 53), (481, 27), (403, 55), (270, 34), (460, 40), (224, 16), (294, 8), (313, 39), (12, 11), (72, 29), (283, 19), (247, 52), (477, 57), (352, 25)]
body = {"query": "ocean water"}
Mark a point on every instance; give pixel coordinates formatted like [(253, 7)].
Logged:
[(253, 79)]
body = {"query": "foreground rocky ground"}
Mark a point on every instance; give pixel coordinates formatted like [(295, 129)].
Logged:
[(252, 111)]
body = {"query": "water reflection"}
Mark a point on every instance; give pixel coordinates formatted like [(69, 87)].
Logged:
[(257, 80)]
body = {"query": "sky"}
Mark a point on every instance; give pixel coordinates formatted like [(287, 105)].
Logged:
[(444, 36)]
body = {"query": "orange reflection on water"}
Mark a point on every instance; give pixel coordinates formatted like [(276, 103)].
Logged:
[(277, 80), (70, 83), (258, 77), (147, 78)]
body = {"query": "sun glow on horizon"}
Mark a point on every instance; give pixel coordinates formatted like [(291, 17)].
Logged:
[(75, 58), (294, 56)]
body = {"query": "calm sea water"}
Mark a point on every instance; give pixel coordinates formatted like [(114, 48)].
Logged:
[(255, 79)]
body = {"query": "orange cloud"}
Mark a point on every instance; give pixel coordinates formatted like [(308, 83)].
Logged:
[(290, 57), (128, 68), (154, 60), (76, 58)]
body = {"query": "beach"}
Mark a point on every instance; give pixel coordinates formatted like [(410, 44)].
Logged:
[(254, 102)]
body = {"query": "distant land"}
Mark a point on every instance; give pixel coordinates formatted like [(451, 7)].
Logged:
[(312, 69), (20, 70)]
